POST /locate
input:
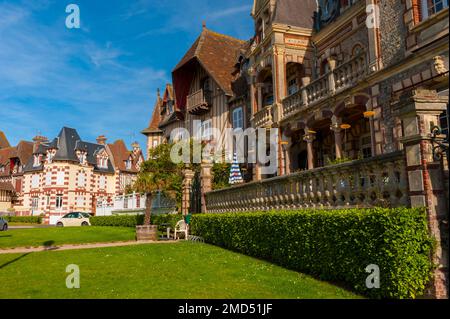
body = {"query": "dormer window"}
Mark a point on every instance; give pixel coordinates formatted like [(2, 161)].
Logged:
[(36, 160), (128, 164), (81, 155), (102, 161), (2, 169), (50, 155), (169, 107)]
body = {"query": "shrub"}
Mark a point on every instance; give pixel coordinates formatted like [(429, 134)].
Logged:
[(24, 219), (133, 220), (333, 245)]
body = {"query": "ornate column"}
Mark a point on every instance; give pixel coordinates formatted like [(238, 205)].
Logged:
[(206, 182), (336, 128), (419, 111), (309, 138), (188, 176), (259, 87)]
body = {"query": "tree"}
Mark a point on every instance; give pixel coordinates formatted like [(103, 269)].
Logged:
[(159, 174)]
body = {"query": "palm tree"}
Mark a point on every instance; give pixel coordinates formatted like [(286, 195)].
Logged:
[(159, 174)]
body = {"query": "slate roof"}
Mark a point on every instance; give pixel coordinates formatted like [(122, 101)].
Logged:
[(295, 13), (66, 144), (216, 53), (23, 151), (3, 141)]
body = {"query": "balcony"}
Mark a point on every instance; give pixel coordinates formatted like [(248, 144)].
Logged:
[(263, 118), (377, 181), (199, 102), (341, 78)]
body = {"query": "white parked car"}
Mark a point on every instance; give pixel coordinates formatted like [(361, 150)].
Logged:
[(74, 219)]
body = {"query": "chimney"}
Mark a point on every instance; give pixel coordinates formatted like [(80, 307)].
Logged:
[(101, 140), (38, 140)]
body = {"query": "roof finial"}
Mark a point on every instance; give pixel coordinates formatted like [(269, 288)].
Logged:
[(204, 24), (158, 92)]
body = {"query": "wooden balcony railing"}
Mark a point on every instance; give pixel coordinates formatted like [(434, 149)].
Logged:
[(343, 76), (199, 102), (378, 181), (264, 117)]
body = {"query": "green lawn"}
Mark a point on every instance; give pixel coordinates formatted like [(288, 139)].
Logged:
[(180, 271), (36, 237)]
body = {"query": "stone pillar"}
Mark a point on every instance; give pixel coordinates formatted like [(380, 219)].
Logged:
[(206, 182), (188, 176), (336, 128), (309, 138), (375, 62), (419, 111), (259, 87)]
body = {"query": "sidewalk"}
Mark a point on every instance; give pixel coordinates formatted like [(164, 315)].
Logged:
[(21, 250)]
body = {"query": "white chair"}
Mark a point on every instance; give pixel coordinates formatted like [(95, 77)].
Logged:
[(181, 227)]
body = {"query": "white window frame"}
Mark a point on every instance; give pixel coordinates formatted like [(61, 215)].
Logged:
[(35, 181), (207, 129), (426, 9), (238, 120), (102, 182), (60, 178), (80, 201), (48, 178), (59, 201), (81, 180)]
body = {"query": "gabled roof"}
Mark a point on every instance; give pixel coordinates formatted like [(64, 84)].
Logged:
[(23, 151), (120, 154), (216, 53), (153, 126), (3, 141)]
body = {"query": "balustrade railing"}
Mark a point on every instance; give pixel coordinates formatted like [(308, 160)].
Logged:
[(199, 101), (263, 117), (344, 75), (378, 181)]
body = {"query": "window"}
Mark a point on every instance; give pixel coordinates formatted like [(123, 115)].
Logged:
[(102, 162), (2, 169), (50, 156), (155, 143), (47, 201), (238, 119), (169, 107), (268, 100), (36, 160), (102, 182), (366, 146), (60, 178), (81, 180), (430, 7), (292, 86), (128, 164), (48, 178), (206, 130), (80, 201), (34, 203), (59, 201), (35, 181)]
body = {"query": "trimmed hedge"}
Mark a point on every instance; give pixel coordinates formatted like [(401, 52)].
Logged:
[(24, 219), (333, 245), (134, 220)]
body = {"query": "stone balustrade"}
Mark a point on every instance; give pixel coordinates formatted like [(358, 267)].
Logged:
[(263, 118), (378, 181), (345, 75), (349, 73)]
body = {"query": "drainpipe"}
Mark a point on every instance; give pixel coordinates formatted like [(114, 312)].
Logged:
[(315, 60)]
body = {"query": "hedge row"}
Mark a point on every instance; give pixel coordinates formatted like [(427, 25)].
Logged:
[(24, 219), (333, 245), (134, 220)]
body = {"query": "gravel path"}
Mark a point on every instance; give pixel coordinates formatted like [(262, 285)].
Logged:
[(22, 250)]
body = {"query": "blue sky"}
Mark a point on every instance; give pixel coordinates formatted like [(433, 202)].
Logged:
[(101, 78)]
